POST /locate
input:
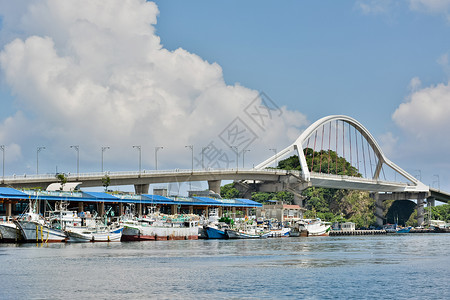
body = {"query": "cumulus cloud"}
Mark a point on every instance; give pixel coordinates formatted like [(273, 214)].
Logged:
[(95, 74), (425, 113)]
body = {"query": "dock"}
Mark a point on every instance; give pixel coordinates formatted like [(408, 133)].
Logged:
[(356, 232)]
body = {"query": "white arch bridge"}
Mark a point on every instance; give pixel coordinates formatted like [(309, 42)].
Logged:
[(334, 152)]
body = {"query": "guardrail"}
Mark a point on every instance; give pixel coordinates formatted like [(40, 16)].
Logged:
[(137, 173)]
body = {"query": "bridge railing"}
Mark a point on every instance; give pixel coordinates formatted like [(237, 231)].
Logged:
[(47, 176), (354, 178)]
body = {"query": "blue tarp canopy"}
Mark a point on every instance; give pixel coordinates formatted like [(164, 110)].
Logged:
[(207, 200), (100, 196), (10, 193), (157, 199), (249, 202)]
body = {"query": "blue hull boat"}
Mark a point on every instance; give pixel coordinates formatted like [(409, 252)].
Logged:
[(215, 233)]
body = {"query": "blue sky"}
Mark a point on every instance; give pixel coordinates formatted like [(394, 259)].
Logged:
[(384, 63)]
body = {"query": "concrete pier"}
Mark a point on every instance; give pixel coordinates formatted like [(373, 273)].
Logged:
[(356, 232)]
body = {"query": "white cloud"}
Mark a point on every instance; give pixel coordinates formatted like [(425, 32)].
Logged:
[(94, 73), (388, 143), (425, 114), (374, 7)]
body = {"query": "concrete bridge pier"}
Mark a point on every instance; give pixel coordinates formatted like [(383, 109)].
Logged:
[(420, 210), (214, 185), (141, 188), (80, 206), (378, 209), (9, 208)]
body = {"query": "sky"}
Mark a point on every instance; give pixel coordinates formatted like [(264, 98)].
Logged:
[(173, 74)]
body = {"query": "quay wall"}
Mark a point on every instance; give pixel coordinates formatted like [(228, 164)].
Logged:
[(356, 232)]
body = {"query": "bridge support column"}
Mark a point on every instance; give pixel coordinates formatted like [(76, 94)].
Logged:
[(378, 209), (191, 209), (120, 208), (101, 208), (214, 185), (9, 208), (141, 188), (174, 209), (431, 202), (420, 210), (80, 206)]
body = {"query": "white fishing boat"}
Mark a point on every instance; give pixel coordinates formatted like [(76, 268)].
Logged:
[(160, 227), (9, 232), (99, 234), (35, 228), (314, 227), (247, 231)]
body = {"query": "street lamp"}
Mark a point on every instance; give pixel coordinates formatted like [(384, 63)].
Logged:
[(156, 156), (203, 153), (276, 158), (438, 182), (139, 148), (2, 147), (37, 158), (420, 175), (243, 157), (192, 155), (103, 150), (237, 156), (77, 148), (192, 163)]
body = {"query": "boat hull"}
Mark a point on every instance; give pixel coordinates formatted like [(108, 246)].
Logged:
[(233, 234), (10, 233), (215, 233), (33, 231), (84, 236), (157, 233)]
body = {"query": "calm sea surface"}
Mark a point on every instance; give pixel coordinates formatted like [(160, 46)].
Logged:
[(410, 266)]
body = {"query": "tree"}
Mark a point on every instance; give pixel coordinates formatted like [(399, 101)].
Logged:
[(106, 181), (228, 191), (62, 179)]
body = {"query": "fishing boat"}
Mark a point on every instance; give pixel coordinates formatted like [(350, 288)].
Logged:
[(237, 234), (160, 227), (9, 232), (394, 228), (217, 231), (34, 228), (314, 227), (247, 230), (99, 234), (298, 229)]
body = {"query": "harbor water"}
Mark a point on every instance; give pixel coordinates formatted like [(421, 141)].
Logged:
[(401, 266)]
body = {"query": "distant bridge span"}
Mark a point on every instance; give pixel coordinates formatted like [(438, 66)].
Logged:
[(338, 135)]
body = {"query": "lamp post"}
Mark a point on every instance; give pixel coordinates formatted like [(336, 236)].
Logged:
[(156, 156), (438, 182), (203, 153), (192, 163), (77, 148), (192, 156), (139, 149), (237, 156), (243, 157), (2, 147), (103, 150), (276, 158), (419, 175), (37, 158)]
